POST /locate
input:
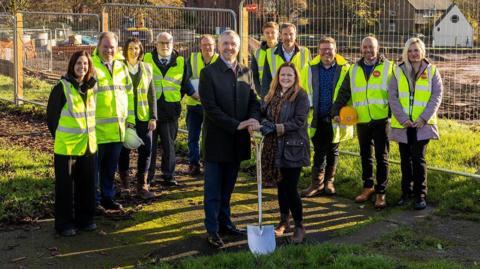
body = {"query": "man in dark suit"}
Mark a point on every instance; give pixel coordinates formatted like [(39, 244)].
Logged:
[(230, 108)]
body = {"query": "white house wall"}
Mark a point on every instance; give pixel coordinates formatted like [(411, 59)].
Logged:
[(451, 34)]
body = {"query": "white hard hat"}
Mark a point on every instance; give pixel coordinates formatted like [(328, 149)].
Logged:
[(132, 141)]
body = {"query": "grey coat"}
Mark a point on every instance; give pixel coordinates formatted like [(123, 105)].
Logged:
[(293, 143), (428, 131)]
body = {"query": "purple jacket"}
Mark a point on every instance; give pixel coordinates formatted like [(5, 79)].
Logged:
[(428, 131)]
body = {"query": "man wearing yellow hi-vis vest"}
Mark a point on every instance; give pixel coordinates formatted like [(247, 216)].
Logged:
[(114, 113), (286, 51), (415, 94), (270, 36), (366, 85), (322, 79), (171, 83), (194, 120)]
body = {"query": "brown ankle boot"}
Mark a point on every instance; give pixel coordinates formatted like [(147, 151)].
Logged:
[(365, 195), (283, 226), (317, 185), (124, 182), (380, 201), (298, 233), (329, 178), (143, 187)]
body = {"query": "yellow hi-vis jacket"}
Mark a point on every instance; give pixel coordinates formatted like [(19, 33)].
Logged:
[(75, 133), (370, 98), (197, 64), (115, 105), (260, 57), (300, 59), (340, 132), (414, 103), (143, 109), (171, 84)]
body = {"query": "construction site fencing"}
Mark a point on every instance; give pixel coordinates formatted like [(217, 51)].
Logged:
[(450, 32), (7, 57), (184, 23)]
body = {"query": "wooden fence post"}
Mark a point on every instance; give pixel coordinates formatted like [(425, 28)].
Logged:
[(104, 20), (244, 37), (18, 59)]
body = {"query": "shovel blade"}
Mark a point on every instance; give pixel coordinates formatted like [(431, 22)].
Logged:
[(261, 240)]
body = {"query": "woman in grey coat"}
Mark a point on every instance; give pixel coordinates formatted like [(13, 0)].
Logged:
[(286, 144), (415, 93)]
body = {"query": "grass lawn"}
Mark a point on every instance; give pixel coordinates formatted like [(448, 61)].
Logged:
[(33, 89)]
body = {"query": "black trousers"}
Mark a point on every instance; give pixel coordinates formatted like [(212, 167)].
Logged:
[(144, 151), (373, 135), (413, 165), (74, 190), (167, 131), (288, 197), (325, 152)]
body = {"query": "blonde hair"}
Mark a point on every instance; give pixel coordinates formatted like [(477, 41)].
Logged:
[(410, 42), (275, 85), (270, 24), (104, 35)]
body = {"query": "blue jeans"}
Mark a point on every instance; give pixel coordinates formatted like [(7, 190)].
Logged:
[(220, 180), (194, 125), (108, 155)]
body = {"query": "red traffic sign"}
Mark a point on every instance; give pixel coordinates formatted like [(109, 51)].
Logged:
[(251, 7)]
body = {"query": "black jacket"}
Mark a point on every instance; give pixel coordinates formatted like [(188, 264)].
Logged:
[(57, 100), (293, 145), (227, 99)]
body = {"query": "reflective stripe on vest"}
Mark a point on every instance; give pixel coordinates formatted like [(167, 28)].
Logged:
[(114, 101), (370, 98), (260, 57), (197, 64), (76, 127), (300, 59), (143, 110), (169, 85), (414, 105)]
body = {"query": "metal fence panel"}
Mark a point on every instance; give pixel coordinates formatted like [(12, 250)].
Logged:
[(7, 61), (185, 24), (452, 37), (49, 39)]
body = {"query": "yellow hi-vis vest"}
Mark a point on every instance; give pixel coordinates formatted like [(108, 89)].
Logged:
[(197, 64), (76, 128), (115, 104), (370, 98), (300, 59), (143, 109), (260, 56), (169, 85), (414, 105), (340, 132)]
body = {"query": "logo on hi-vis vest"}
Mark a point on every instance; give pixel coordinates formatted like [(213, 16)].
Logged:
[(424, 75), (376, 73)]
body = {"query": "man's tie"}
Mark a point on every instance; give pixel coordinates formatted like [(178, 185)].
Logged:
[(163, 61)]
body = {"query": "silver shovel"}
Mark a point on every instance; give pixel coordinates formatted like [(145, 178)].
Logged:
[(261, 238)]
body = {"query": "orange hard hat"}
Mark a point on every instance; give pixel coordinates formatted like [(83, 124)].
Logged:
[(348, 115)]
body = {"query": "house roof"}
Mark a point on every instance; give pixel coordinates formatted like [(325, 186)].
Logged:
[(430, 4), (437, 22)]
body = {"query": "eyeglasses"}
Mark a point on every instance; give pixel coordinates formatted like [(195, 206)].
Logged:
[(164, 43)]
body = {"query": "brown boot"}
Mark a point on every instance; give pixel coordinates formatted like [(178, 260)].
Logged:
[(317, 185), (124, 182), (283, 226), (329, 178), (365, 195), (298, 233), (143, 187), (380, 201)]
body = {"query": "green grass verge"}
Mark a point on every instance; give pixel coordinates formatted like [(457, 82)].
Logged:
[(305, 256), (33, 89)]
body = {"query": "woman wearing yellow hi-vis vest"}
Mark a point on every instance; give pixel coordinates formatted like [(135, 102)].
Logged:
[(322, 78), (114, 113), (366, 84), (415, 94), (145, 107), (286, 51), (71, 121)]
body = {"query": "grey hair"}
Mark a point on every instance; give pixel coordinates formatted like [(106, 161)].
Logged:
[(369, 37), (170, 37), (231, 33), (106, 35)]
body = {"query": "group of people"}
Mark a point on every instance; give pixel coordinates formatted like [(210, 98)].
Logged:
[(288, 97)]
